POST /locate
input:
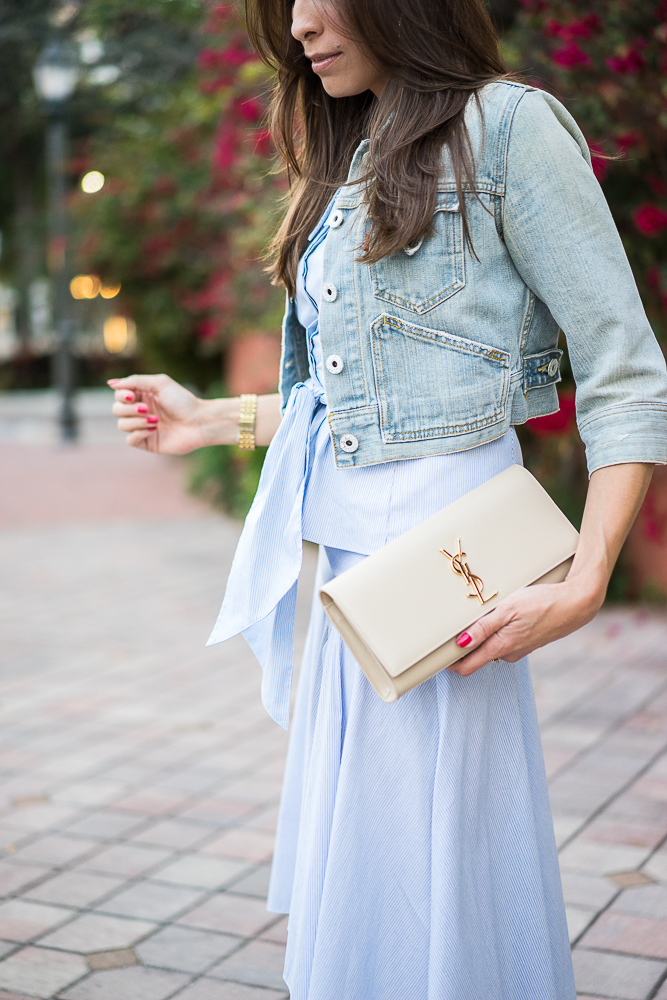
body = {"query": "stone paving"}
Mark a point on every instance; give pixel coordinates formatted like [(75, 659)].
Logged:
[(140, 775)]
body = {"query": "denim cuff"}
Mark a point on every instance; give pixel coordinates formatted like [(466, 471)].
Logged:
[(632, 432)]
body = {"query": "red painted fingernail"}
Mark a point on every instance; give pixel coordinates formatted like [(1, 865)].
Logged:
[(464, 639), (153, 427), (129, 397), (142, 408), (152, 420)]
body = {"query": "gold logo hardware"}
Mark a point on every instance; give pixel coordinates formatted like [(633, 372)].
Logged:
[(461, 568)]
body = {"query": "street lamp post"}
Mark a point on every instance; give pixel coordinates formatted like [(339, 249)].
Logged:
[(56, 75)]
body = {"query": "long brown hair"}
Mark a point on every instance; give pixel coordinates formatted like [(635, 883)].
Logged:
[(437, 53)]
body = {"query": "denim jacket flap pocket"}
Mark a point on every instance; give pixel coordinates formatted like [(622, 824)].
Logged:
[(541, 369), (424, 274), (473, 381)]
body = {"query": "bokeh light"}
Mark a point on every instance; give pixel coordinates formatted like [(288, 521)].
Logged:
[(109, 291), (85, 286), (120, 335), (92, 181)]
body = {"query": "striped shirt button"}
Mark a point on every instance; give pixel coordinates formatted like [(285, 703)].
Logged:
[(334, 364), (329, 292), (349, 443)]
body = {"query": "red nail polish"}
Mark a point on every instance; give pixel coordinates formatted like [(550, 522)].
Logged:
[(142, 408), (151, 419), (129, 397), (464, 639)]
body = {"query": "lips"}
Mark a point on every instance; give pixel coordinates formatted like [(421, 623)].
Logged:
[(321, 61)]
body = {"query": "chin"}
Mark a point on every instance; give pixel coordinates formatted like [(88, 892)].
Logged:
[(340, 88)]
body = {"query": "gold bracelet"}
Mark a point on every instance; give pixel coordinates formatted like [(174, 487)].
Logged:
[(247, 418)]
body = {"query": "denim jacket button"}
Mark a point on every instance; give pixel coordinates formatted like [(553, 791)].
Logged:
[(336, 219), (553, 368), (334, 364), (349, 443), (330, 292)]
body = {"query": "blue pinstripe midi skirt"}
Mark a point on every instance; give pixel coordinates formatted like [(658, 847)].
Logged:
[(415, 851)]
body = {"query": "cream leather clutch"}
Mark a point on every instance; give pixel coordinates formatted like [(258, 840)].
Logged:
[(401, 609)]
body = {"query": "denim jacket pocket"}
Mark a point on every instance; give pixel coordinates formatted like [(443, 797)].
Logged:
[(420, 277), (473, 381)]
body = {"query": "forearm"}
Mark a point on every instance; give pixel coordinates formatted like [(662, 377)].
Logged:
[(615, 494), (219, 419), (533, 616)]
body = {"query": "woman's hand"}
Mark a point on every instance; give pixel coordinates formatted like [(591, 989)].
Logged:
[(158, 414), (534, 616), (162, 416), (524, 621)]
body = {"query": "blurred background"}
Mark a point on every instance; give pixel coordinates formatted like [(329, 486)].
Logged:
[(138, 189)]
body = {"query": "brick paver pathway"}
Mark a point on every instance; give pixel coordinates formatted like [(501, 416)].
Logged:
[(139, 774)]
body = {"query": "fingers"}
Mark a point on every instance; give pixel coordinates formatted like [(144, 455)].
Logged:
[(130, 424), (129, 409), (483, 641), (478, 633), (490, 650), (142, 439), (138, 384)]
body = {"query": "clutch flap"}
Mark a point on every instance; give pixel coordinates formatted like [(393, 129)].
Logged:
[(425, 587)]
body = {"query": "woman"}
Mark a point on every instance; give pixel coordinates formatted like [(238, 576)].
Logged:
[(444, 223)]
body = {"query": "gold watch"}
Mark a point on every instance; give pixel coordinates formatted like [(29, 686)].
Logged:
[(247, 419)]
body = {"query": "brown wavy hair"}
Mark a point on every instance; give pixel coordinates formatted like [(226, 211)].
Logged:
[(437, 53)]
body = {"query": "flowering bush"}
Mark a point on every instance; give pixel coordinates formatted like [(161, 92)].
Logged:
[(184, 216), (607, 61)]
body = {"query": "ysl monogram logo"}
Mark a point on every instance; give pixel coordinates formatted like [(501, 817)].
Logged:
[(461, 568)]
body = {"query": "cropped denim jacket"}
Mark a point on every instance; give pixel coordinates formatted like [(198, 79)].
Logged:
[(437, 349)]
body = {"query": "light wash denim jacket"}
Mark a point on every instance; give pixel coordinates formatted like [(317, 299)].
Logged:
[(432, 350)]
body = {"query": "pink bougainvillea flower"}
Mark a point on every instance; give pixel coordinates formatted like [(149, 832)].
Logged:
[(628, 140), (632, 62), (650, 220), (207, 328), (235, 55), (657, 185), (570, 56), (207, 59), (600, 163), (556, 424), (583, 27), (219, 82), (226, 145), (249, 108), (262, 142)]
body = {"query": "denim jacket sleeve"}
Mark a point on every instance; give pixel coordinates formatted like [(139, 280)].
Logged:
[(563, 241)]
